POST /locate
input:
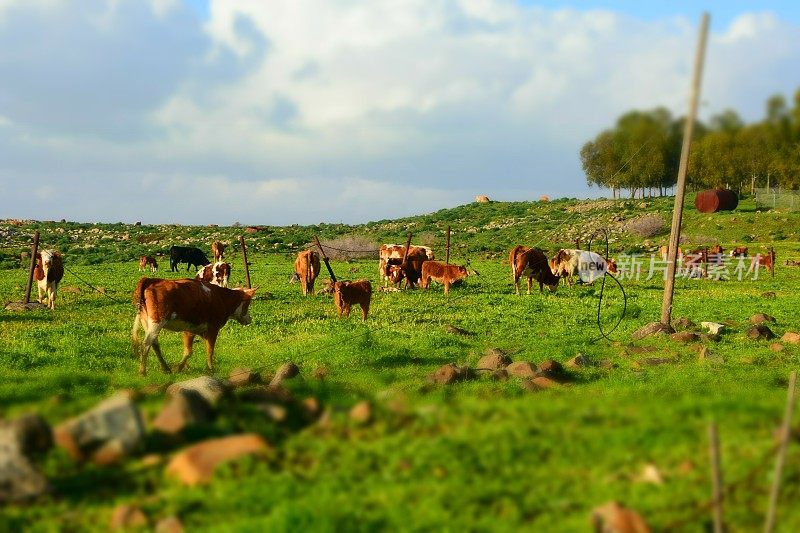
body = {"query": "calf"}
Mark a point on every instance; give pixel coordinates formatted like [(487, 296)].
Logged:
[(186, 254), (191, 306), (218, 251), (739, 251), (217, 273), (532, 263), (765, 260), (568, 263), (306, 270), (347, 293), (148, 261), (442, 273), (392, 255), (48, 272)]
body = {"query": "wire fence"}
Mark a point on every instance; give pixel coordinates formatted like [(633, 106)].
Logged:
[(778, 199)]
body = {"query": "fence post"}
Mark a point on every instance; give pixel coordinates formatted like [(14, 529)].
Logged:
[(447, 248), (325, 259), (246, 263), (34, 250)]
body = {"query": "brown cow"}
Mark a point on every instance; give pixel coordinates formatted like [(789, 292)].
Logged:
[(347, 293), (392, 255), (148, 261), (306, 269), (664, 250), (217, 273), (532, 263), (218, 251), (739, 251), (187, 305), (765, 260), (442, 273), (48, 272)]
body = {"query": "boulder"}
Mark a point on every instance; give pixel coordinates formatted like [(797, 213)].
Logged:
[(552, 369), (521, 369), (493, 360), (110, 431), (239, 377), (20, 481), (182, 409), (482, 199), (286, 371), (539, 383), (501, 374), (361, 413), (776, 347), (684, 336), (127, 517), (580, 361), (450, 373), (715, 328), (654, 328), (196, 464), (791, 337), (760, 318), (613, 517), (209, 388), (760, 332)]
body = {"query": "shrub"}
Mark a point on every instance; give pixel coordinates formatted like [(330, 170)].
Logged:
[(646, 226)]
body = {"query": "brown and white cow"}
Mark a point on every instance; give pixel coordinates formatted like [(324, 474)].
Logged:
[(391, 255), (442, 273), (218, 251), (306, 270), (148, 261), (566, 263), (348, 293), (218, 273), (48, 272), (531, 263), (188, 305)]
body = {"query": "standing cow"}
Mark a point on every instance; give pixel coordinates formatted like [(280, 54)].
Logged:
[(531, 263), (442, 273), (187, 305), (348, 293), (148, 261), (48, 272), (186, 254), (218, 251), (217, 273), (306, 270), (393, 267)]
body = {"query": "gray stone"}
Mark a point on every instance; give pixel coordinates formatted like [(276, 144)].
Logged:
[(654, 328), (211, 389), (19, 480)]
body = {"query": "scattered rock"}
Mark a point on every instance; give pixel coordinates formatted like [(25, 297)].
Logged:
[(776, 347), (613, 517), (683, 323), (580, 361), (654, 328), (791, 337), (105, 434), (170, 524), (760, 318), (714, 328), (684, 336), (552, 369), (493, 360), (197, 463), (210, 388), (760, 332), (361, 413), (482, 199), (450, 373), (457, 331), (29, 435), (182, 409), (286, 371), (20, 481), (768, 294), (239, 377), (521, 369), (540, 383), (127, 517)]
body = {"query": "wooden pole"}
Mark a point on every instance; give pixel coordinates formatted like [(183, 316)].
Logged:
[(246, 263), (716, 476), (325, 259), (786, 429), (447, 248), (680, 192), (34, 251), (408, 245)]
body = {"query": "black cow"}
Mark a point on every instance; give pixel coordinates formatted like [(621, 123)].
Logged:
[(186, 254)]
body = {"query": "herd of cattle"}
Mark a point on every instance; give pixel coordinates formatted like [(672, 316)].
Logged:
[(202, 305)]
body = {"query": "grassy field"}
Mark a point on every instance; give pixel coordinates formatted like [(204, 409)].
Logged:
[(483, 454)]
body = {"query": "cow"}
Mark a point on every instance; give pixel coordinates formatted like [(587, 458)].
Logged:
[(442, 273), (218, 251), (217, 273), (532, 263), (567, 263), (148, 261), (664, 251), (306, 270), (739, 251), (188, 305), (392, 255), (765, 260), (48, 272), (193, 257), (347, 293)]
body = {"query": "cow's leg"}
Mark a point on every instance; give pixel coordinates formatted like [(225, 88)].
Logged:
[(157, 350), (311, 286), (541, 287), (150, 337), (516, 284), (530, 284), (446, 286), (211, 339), (41, 293), (364, 310), (51, 296), (188, 339), (347, 310)]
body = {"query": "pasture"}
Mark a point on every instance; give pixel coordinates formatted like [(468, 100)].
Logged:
[(482, 454)]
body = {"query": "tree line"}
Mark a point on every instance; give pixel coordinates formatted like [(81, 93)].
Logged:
[(642, 152)]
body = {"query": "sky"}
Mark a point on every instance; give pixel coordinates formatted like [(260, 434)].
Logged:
[(307, 111)]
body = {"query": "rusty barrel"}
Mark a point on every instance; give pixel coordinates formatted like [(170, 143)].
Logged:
[(715, 200)]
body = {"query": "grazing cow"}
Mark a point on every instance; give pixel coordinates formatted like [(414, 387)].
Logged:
[(217, 273), (347, 293), (531, 263), (664, 251), (48, 272), (739, 251), (148, 261), (765, 260), (218, 251), (191, 306), (392, 255), (306, 270), (568, 263), (442, 273), (186, 254)]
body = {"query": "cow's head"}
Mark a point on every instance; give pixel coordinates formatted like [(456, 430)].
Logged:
[(395, 273), (242, 313), (612, 266)]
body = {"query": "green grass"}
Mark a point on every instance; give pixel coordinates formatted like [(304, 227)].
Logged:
[(480, 455)]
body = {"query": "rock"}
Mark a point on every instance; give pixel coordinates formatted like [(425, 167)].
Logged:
[(286, 371), (776, 347), (714, 328), (684, 336), (361, 413), (650, 474), (20, 481), (791, 337), (127, 517), (521, 369), (482, 199), (580, 361), (760, 332), (20, 306), (105, 434), (613, 517), (450, 373), (552, 369), (210, 388), (239, 377), (540, 383), (182, 409), (170, 524), (494, 360), (457, 331), (196, 464), (28, 435), (768, 294), (760, 318), (654, 328), (682, 324)]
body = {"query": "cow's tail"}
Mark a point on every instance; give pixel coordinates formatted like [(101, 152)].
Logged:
[(514, 254)]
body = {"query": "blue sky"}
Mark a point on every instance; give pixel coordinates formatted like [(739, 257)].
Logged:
[(302, 111)]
